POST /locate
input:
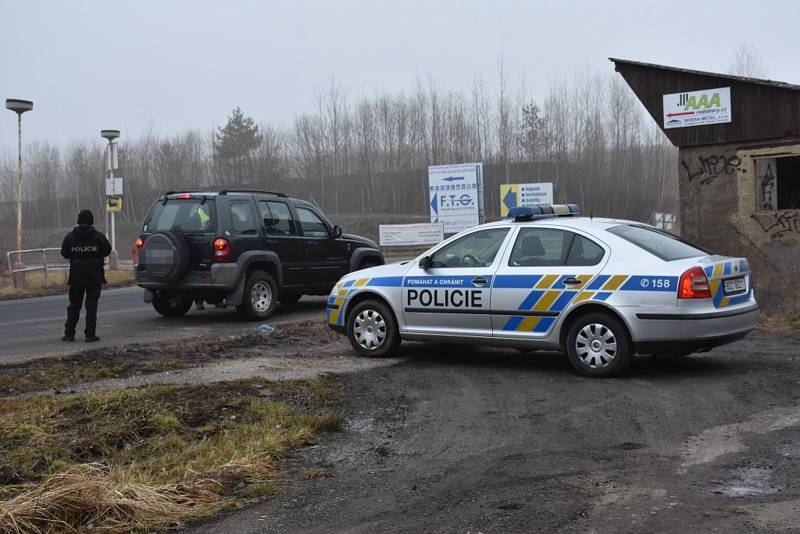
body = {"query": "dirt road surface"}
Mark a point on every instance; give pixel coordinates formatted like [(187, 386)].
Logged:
[(485, 440)]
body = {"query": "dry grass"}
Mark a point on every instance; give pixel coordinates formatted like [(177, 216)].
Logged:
[(150, 457), (57, 280)]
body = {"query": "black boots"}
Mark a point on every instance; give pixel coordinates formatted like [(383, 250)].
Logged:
[(68, 337), (92, 338)]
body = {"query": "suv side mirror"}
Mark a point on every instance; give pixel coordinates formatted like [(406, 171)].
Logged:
[(337, 231), (425, 263)]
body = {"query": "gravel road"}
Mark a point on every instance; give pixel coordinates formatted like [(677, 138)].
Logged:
[(454, 439)]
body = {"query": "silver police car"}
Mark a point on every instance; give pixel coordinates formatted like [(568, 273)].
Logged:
[(600, 290)]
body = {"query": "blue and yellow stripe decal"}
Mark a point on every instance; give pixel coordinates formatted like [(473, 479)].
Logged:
[(716, 274)]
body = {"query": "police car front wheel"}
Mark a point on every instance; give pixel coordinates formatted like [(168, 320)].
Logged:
[(372, 329), (598, 345)]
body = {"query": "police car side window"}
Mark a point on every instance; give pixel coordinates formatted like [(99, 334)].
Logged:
[(474, 250), (584, 252), (540, 247)]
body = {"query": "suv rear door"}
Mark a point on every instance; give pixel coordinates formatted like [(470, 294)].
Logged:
[(243, 226), (280, 236)]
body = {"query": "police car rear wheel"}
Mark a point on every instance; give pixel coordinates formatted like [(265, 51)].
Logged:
[(372, 329), (598, 345)]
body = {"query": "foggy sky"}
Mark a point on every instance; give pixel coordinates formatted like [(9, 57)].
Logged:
[(171, 65)]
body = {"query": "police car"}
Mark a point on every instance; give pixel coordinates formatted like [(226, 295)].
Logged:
[(600, 290)]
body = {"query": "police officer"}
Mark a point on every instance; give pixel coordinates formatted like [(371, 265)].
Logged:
[(85, 248)]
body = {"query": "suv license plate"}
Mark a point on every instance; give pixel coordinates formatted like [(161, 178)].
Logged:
[(735, 285)]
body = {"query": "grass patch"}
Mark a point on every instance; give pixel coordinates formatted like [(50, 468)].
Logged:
[(122, 362), (151, 457), (57, 280)]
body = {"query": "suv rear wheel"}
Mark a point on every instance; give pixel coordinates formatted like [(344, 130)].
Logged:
[(598, 345), (260, 296), (372, 329), (172, 306)]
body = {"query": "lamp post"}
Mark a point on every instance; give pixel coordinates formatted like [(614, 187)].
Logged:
[(111, 164), (19, 107)]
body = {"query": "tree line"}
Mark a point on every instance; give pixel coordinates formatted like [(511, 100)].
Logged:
[(368, 154)]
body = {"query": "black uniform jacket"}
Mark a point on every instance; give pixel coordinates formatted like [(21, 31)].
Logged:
[(85, 248)]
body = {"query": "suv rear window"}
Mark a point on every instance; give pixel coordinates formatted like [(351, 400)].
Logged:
[(186, 215), (666, 246)]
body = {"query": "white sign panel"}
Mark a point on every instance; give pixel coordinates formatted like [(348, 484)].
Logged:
[(113, 186), (456, 195), (411, 234), (697, 108)]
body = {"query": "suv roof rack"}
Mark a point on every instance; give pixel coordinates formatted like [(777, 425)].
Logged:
[(276, 193), (542, 211)]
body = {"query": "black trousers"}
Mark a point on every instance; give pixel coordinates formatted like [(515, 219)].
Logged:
[(76, 293)]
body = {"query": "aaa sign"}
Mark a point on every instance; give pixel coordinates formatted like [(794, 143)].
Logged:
[(697, 108)]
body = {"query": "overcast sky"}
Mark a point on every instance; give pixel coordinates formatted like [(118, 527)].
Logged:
[(173, 65)]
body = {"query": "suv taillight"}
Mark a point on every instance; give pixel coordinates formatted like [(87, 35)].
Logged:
[(222, 249), (694, 285), (139, 243)]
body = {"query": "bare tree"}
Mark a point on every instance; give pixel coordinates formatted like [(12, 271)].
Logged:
[(748, 61)]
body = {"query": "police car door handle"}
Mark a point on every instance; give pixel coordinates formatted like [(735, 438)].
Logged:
[(479, 281), (571, 281)]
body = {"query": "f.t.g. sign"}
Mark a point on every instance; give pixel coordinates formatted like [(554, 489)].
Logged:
[(456, 195), (697, 108)]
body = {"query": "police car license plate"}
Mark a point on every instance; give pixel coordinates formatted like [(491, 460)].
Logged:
[(735, 285)]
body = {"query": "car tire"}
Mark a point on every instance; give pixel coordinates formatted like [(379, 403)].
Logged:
[(260, 296), (289, 298), (599, 346), (366, 265), (372, 329), (175, 306)]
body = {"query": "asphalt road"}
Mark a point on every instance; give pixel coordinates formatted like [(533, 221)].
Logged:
[(486, 440), (31, 328)]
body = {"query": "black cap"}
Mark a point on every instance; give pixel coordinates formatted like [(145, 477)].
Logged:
[(85, 217)]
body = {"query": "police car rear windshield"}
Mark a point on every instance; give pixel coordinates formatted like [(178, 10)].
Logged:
[(666, 246), (184, 215)]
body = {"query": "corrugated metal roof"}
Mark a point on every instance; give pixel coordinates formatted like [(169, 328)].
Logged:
[(760, 81), (760, 109)]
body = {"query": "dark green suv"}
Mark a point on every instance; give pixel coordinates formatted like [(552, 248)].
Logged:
[(240, 248)]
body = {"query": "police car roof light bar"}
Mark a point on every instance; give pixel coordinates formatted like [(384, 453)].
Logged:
[(542, 211)]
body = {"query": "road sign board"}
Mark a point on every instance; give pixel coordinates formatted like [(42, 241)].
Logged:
[(514, 195), (114, 186), (114, 203), (456, 195)]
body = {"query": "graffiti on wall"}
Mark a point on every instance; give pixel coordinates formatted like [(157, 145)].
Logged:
[(707, 168), (767, 184), (779, 224)]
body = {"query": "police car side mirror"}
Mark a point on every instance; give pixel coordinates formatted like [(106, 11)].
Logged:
[(425, 263), (337, 231)]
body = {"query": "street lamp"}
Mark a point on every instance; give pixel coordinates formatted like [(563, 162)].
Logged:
[(19, 107), (111, 164)]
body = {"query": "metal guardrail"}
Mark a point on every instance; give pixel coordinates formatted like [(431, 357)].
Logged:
[(38, 261)]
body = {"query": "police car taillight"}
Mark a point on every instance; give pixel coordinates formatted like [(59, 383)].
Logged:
[(222, 249), (694, 285)]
